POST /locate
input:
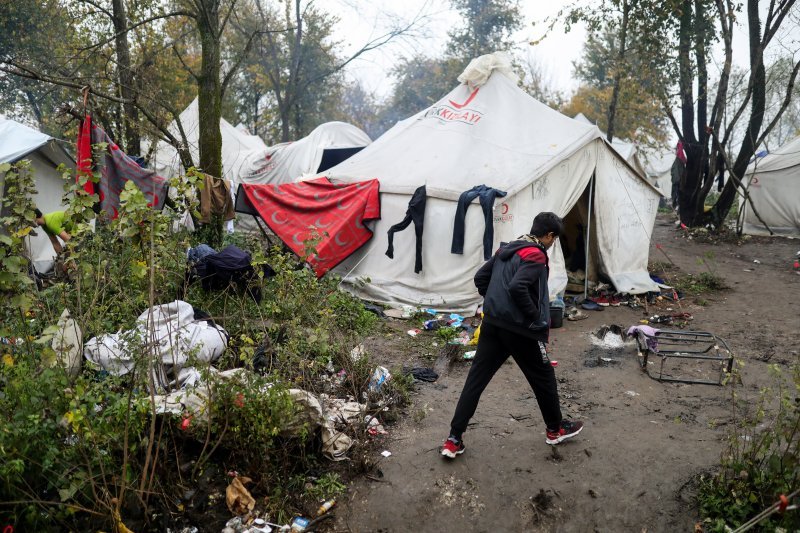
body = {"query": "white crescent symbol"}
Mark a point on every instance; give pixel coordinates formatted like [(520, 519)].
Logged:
[(319, 224), (359, 223), (277, 189), (320, 197), (275, 220), (294, 238), (340, 243), (340, 206)]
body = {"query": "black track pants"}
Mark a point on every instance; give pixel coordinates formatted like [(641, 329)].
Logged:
[(495, 344)]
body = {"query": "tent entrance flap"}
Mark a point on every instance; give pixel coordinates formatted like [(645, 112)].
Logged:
[(579, 243)]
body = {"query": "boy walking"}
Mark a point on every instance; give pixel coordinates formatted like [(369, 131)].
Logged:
[(516, 322)]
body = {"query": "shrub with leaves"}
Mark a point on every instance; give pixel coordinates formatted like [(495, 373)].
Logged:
[(761, 462)]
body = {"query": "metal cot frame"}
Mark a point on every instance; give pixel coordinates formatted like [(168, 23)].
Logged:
[(695, 345)]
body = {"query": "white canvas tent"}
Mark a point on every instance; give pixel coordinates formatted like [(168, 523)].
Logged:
[(236, 145), (774, 185), (499, 136), (658, 168), (18, 142), (286, 162)]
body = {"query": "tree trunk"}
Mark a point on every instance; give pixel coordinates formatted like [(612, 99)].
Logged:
[(688, 185), (209, 89), (612, 106), (125, 80), (758, 106)]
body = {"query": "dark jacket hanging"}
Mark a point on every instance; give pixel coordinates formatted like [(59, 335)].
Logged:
[(486, 196), (415, 213)]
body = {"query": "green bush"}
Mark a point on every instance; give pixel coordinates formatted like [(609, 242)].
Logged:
[(761, 462), (76, 453)]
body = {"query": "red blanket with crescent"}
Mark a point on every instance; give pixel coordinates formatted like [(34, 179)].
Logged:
[(318, 214)]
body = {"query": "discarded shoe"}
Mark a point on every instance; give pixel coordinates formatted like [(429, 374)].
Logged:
[(577, 316), (568, 429), (591, 305), (452, 447)]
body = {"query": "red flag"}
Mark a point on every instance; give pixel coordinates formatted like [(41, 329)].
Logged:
[(85, 153)]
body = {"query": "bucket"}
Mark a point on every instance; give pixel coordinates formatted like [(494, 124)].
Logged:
[(556, 317)]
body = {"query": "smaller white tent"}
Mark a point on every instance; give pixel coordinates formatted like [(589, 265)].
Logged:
[(286, 162), (658, 168), (773, 182), (18, 142), (236, 145)]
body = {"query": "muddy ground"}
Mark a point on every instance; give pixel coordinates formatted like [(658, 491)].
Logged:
[(635, 466)]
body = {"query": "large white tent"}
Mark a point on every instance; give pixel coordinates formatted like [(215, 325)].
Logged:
[(18, 142), (495, 134), (286, 162), (773, 183), (236, 146)]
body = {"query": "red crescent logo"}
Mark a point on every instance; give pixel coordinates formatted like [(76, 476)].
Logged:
[(467, 101), (505, 208)]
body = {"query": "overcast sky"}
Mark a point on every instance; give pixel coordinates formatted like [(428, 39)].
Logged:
[(363, 20)]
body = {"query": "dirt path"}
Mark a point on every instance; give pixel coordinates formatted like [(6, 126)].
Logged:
[(633, 467)]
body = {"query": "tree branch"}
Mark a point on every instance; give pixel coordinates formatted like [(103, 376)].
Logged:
[(180, 58), (785, 104), (134, 26)]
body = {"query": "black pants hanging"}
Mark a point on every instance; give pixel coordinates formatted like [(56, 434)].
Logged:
[(495, 344), (416, 214), (486, 196)]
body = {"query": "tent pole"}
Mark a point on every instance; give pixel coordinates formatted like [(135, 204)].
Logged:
[(588, 236)]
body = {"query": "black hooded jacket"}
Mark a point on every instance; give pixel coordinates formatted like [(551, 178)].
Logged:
[(513, 284)]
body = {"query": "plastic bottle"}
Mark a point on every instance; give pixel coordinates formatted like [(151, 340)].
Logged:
[(325, 507)]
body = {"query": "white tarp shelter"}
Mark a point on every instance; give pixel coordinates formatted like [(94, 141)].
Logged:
[(18, 142), (773, 182), (658, 168), (286, 162), (236, 145), (491, 132)]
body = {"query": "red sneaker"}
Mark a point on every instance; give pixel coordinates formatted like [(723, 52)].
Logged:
[(452, 447), (567, 430)]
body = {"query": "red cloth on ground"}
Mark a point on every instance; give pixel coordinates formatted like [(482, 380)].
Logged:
[(337, 212), (85, 153)]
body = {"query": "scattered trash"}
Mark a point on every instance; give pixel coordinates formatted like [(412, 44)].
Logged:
[(609, 337), (462, 339), (259, 526), (422, 373), (407, 311), (379, 377), (631, 393), (431, 325), (386, 453), (470, 355), (68, 344), (756, 261), (238, 498), (476, 335), (299, 524), (554, 363), (413, 332), (455, 320), (357, 353), (325, 507)]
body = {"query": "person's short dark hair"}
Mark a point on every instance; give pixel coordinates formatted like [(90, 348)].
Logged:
[(38, 213), (545, 223)]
